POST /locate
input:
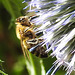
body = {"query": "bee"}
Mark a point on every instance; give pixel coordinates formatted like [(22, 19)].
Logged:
[(28, 38)]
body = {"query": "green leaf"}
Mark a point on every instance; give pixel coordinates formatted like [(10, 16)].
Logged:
[(3, 73), (1, 68), (1, 61), (15, 9), (36, 66)]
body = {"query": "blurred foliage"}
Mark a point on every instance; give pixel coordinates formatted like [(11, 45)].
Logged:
[(10, 49), (1, 69)]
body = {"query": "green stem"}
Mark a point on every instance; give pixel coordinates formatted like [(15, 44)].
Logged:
[(3, 73)]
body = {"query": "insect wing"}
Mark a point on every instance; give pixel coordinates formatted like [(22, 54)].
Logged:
[(25, 51)]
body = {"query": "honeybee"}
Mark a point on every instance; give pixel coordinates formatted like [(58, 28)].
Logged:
[(29, 40)]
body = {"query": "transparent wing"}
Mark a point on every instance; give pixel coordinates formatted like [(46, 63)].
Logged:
[(24, 49)]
